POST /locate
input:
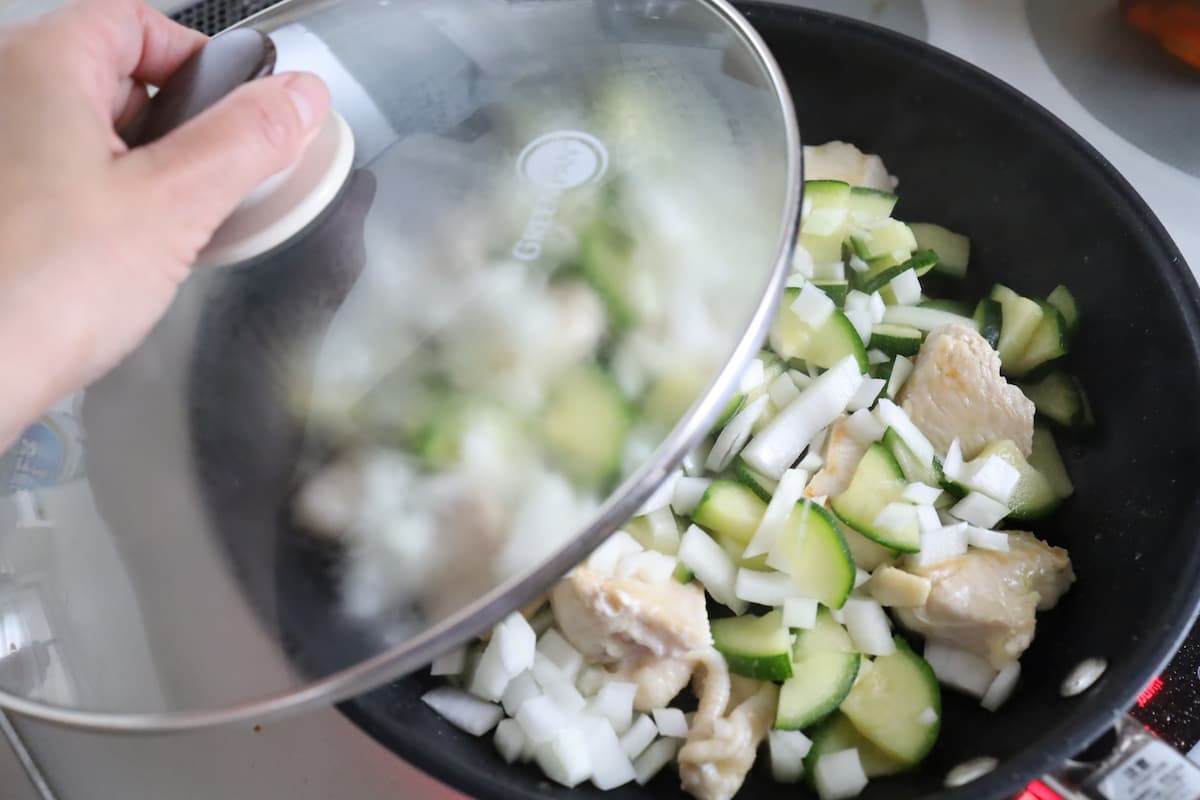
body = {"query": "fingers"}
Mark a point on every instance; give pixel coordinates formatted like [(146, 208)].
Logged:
[(203, 169), (130, 101), (130, 38)]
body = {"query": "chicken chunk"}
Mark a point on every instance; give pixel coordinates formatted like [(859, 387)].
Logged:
[(735, 715), (659, 680), (610, 619), (841, 457), (986, 601), (956, 392), (839, 161)]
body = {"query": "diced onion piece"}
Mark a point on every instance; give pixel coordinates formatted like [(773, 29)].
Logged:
[(830, 271), (510, 740), (509, 652), (604, 559), (797, 279), (802, 262), (927, 716), (765, 588), (462, 710), (857, 301), (987, 540), (857, 264), (641, 733), (541, 719), (565, 758), (839, 775), (712, 566), (868, 626), (661, 497), (812, 306), (610, 766), (901, 369), (561, 653), (752, 377), (980, 510), (800, 612), (949, 541), (925, 319), (824, 221), (693, 462), (650, 566), (811, 462), (802, 379), (928, 519), (864, 427), (861, 576), (906, 287), (959, 669), (688, 492), (861, 320), (878, 307), (892, 416), (921, 493), (818, 440), (664, 531), (556, 685), (952, 466), (1002, 686), (614, 702), (995, 478), (896, 517), (591, 680), (451, 663), (788, 749), (866, 394), (520, 689), (783, 390), (735, 434), (656, 756), (783, 502), (670, 722), (784, 438), (877, 357), (837, 615)]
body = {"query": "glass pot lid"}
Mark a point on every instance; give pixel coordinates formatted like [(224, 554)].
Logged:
[(531, 291)]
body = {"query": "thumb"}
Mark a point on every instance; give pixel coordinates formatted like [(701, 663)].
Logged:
[(199, 172)]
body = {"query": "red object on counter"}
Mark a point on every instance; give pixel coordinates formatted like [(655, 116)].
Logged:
[(1174, 24)]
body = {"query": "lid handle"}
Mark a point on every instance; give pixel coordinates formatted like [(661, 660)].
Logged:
[(223, 64)]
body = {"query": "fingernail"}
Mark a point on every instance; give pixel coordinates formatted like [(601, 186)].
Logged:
[(300, 101)]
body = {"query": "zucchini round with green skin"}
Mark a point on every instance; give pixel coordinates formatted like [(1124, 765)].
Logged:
[(953, 249), (827, 193), (811, 549), (885, 270), (989, 317), (819, 684), (605, 260), (585, 423), (1020, 317), (1062, 299), (896, 340), (1033, 497), (877, 482), (836, 290), (1046, 460), (1048, 343), (753, 480), (823, 346), (887, 705), (730, 509), (827, 635), (914, 471), (887, 238), (837, 733), (952, 306), (870, 204), (1060, 398), (756, 647)]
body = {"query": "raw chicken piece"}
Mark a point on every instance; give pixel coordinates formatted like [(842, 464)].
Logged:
[(841, 457), (659, 680), (609, 619), (839, 161), (986, 601), (956, 391), (733, 719)]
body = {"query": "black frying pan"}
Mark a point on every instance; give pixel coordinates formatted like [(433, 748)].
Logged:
[(1041, 208)]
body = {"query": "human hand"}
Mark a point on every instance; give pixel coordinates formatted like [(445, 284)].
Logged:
[(95, 238)]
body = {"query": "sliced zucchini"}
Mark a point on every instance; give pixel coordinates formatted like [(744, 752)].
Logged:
[(824, 346), (823, 249), (1033, 497), (826, 194), (585, 423), (734, 405), (837, 733), (819, 684), (989, 317), (896, 340), (884, 270), (1060, 398), (878, 481), (753, 480), (867, 554), (730, 509), (951, 306), (1062, 299), (1046, 459), (1020, 317), (837, 290), (1048, 343), (953, 249), (827, 635), (683, 573), (605, 260), (887, 705), (888, 238), (674, 391), (870, 204), (811, 549), (756, 647), (913, 469)]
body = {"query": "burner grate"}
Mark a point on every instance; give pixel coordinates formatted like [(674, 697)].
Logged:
[(214, 16)]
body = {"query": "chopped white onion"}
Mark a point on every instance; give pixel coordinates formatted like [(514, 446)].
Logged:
[(561, 653), (906, 287), (451, 663), (735, 434), (614, 702), (866, 394), (857, 301), (921, 493), (949, 541), (811, 462), (565, 758), (952, 466), (959, 669), (670, 722), (896, 518), (557, 685), (928, 519), (830, 271), (837, 615), (780, 443), (857, 264), (463, 711), (800, 612), (839, 775), (901, 369), (591, 680), (861, 320), (878, 308), (610, 766), (655, 757), (877, 357), (987, 540), (1002, 686), (979, 509), (664, 531), (824, 221), (688, 492), (712, 566), (868, 626), (892, 416), (788, 749), (639, 736), (490, 677), (604, 559), (995, 478), (752, 377), (650, 566), (765, 588), (783, 390), (661, 497), (801, 379), (927, 716), (693, 462), (863, 426), (520, 689), (510, 740), (541, 719), (797, 279), (802, 262), (812, 306), (787, 493), (861, 576)]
